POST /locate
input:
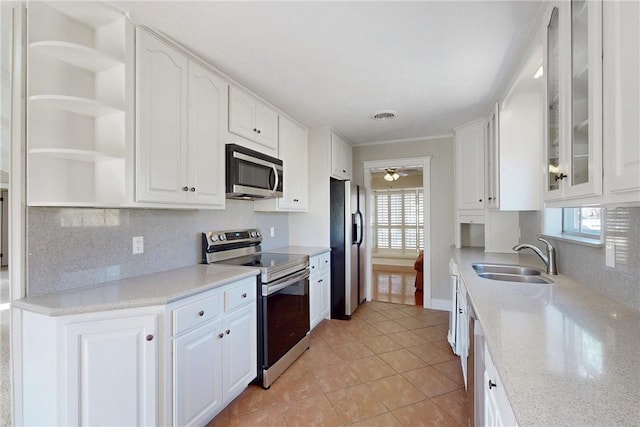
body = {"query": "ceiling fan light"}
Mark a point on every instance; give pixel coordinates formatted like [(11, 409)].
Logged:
[(388, 177), (395, 176)]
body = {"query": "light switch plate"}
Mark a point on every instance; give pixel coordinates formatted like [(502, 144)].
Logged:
[(610, 255), (273, 232), (138, 245)]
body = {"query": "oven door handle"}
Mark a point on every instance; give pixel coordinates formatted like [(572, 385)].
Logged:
[(283, 283)]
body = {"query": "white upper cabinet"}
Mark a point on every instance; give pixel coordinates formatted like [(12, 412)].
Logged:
[(341, 158), (621, 93), (574, 101), (79, 83), (207, 104), (253, 120), (515, 133), (179, 111), (294, 152), (470, 165)]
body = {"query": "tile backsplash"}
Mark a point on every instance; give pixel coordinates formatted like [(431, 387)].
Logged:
[(587, 264), (75, 247)]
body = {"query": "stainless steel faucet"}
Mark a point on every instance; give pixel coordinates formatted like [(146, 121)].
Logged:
[(549, 259)]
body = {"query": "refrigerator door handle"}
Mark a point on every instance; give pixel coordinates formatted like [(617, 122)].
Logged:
[(360, 228)]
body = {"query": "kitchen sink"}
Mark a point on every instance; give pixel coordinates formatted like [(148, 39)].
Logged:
[(506, 277), (506, 269)]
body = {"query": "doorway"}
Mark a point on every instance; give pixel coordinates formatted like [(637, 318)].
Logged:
[(398, 206)]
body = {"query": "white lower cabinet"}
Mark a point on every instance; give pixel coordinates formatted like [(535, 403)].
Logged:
[(176, 364), (214, 350), (91, 369), (197, 359), (497, 409), (239, 351), (319, 288)]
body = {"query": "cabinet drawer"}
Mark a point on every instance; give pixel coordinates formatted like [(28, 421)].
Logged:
[(196, 313), (314, 264), (324, 260), (239, 295), (472, 219)]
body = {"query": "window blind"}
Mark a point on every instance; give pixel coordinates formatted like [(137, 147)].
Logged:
[(399, 219)]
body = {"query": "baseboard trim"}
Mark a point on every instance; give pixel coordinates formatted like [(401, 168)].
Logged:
[(438, 304)]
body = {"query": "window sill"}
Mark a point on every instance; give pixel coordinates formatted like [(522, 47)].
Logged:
[(584, 241)]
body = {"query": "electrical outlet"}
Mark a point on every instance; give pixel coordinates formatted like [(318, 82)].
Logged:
[(138, 245), (273, 232), (610, 255)]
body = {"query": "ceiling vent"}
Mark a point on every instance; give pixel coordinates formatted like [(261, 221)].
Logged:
[(383, 115)]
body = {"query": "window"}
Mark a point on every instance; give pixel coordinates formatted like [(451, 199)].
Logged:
[(398, 220), (577, 225), (584, 222)]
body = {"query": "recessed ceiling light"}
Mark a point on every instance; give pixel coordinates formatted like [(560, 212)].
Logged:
[(383, 115)]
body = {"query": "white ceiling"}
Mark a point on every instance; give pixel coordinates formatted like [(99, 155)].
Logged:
[(437, 63)]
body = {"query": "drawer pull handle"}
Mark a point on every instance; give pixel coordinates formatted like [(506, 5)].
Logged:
[(244, 295), (320, 281), (201, 313), (492, 385), (220, 335), (149, 337), (228, 331)]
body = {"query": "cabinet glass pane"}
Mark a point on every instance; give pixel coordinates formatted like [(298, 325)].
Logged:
[(553, 101), (579, 93)]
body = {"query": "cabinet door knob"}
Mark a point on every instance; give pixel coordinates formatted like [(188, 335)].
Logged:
[(259, 131), (559, 177), (460, 310), (480, 200), (149, 337), (255, 130), (320, 281), (490, 198), (185, 188), (201, 313), (244, 295), (228, 331), (193, 189), (221, 335), (492, 384)]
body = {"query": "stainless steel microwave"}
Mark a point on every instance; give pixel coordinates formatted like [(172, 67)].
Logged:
[(252, 175)]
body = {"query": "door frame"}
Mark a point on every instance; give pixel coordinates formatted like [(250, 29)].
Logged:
[(425, 162)]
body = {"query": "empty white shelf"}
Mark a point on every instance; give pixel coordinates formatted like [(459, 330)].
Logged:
[(80, 56), (74, 154), (84, 106)]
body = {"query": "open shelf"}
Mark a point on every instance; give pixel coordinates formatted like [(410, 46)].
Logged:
[(74, 154), (83, 106), (80, 56)]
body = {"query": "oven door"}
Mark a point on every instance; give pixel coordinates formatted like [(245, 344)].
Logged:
[(285, 315)]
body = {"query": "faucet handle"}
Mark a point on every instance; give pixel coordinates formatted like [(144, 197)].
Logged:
[(550, 247)]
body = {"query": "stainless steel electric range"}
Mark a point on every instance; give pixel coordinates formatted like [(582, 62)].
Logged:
[(283, 302)]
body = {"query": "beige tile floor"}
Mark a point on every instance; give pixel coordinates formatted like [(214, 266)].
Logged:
[(394, 284), (390, 365)]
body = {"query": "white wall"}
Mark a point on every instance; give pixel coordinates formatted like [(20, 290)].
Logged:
[(442, 201)]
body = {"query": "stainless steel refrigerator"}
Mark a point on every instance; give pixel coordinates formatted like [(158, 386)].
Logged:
[(347, 221)]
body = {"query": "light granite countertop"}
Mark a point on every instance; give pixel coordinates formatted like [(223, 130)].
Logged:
[(566, 354), (300, 250), (151, 289)]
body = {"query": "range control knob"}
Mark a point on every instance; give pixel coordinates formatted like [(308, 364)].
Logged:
[(252, 234), (258, 234), (213, 238), (222, 237)]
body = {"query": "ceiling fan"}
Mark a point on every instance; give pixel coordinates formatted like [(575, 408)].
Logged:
[(393, 174)]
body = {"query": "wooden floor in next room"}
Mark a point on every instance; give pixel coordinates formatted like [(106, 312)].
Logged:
[(390, 365)]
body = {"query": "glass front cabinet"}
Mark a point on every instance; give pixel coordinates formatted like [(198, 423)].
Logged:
[(573, 68)]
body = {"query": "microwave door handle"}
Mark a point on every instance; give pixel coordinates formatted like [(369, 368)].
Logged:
[(275, 173)]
